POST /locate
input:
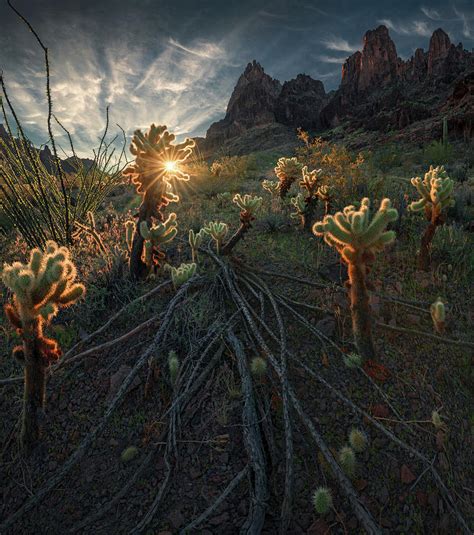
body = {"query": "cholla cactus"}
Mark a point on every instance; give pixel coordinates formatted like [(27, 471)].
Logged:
[(358, 440), (157, 161), (258, 366), (156, 236), (248, 204), (217, 231), (322, 500), (287, 171), (91, 230), (436, 196), (326, 193), (216, 168), (271, 186), (300, 208), (41, 287), (438, 315), (310, 184), (195, 241), (173, 366), (182, 274), (347, 460), (357, 237), (129, 230)]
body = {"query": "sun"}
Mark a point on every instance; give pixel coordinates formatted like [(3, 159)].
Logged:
[(171, 166)]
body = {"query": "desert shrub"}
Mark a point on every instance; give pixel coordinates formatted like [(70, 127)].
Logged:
[(387, 158), (340, 167), (232, 166), (459, 172), (451, 246), (438, 153)]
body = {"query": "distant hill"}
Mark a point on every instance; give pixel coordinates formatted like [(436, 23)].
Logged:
[(378, 92), (68, 164)]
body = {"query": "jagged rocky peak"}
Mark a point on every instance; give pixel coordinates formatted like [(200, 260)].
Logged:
[(378, 61), (300, 102)]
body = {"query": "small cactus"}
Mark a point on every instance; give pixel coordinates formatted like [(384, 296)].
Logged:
[(128, 454), (287, 170), (173, 366), (300, 207), (247, 203), (436, 196), (258, 366), (347, 460), (322, 500), (155, 237), (217, 231), (195, 241), (326, 194), (357, 237), (352, 360), (358, 440), (438, 315), (41, 287), (129, 230), (182, 274), (272, 187)]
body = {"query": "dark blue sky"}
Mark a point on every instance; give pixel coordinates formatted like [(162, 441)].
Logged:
[(176, 62)]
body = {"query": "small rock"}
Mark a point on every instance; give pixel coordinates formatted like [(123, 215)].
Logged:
[(422, 498), (118, 378), (320, 527), (406, 475), (380, 411)]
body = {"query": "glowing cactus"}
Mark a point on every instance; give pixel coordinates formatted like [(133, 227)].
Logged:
[(271, 186), (156, 236), (195, 241), (300, 208), (436, 196), (357, 237), (182, 274), (325, 193), (322, 500), (129, 230), (287, 171), (310, 184), (217, 231), (248, 204), (157, 161), (438, 315), (41, 287)]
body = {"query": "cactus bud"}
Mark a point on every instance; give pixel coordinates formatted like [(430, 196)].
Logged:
[(322, 500), (258, 366), (347, 460), (358, 440)]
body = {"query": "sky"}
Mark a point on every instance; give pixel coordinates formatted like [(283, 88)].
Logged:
[(176, 62)]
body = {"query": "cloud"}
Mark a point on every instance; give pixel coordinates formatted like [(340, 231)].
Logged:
[(331, 59), (202, 49), (467, 30), (408, 28), (431, 13), (338, 44)]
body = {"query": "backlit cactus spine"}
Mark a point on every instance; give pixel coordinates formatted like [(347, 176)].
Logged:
[(287, 171), (325, 193), (248, 205), (310, 183), (300, 207), (40, 288), (157, 162), (154, 238), (357, 237), (436, 196)]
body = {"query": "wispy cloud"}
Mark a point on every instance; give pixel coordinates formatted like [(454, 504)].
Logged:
[(466, 20), (416, 27), (331, 59), (202, 49), (432, 14), (338, 44)]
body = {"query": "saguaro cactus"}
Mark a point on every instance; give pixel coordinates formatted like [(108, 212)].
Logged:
[(248, 204), (156, 236), (357, 238), (157, 162), (436, 196), (40, 288), (287, 170)]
